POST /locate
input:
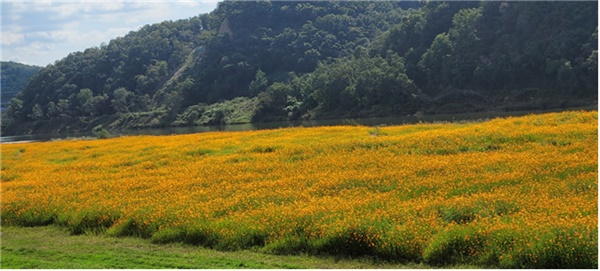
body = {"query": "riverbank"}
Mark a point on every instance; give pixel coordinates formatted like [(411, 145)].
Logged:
[(67, 128)]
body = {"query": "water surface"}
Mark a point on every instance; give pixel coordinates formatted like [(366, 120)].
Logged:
[(383, 121)]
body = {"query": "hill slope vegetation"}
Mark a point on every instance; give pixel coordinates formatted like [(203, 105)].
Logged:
[(14, 77), (260, 61)]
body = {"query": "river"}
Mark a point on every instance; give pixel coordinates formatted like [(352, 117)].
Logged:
[(383, 121)]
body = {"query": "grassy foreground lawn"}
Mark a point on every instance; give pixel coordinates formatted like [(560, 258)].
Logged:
[(517, 192), (51, 247)]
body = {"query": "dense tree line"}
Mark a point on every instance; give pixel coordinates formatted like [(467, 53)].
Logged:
[(14, 77), (289, 60)]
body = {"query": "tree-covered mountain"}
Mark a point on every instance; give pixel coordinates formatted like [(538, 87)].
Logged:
[(282, 60), (13, 77)]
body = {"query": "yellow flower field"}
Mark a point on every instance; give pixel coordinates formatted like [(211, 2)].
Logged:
[(510, 192)]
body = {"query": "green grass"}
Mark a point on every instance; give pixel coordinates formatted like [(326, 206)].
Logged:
[(52, 247)]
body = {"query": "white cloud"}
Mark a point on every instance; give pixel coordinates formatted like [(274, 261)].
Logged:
[(30, 53), (196, 3), (94, 38), (17, 59), (9, 38), (40, 46)]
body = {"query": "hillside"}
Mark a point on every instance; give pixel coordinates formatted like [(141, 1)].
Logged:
[(261, 61), (14, 77)]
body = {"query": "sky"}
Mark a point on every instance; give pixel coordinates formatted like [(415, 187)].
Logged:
[(39, 32)]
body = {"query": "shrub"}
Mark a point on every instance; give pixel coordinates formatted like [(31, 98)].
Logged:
[(87, 220), (558, 248), (290, 245), (455, 245), (122, 227), (351, 241), (459, 215), (101, 132), (200, 152)]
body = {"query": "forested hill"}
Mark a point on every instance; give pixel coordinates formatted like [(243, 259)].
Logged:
[(13, 77), (282, 60)]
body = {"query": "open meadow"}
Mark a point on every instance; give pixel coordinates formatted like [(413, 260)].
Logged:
[(517, 192)]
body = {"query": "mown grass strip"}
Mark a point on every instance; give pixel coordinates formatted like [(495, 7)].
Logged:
[(51, 247)]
